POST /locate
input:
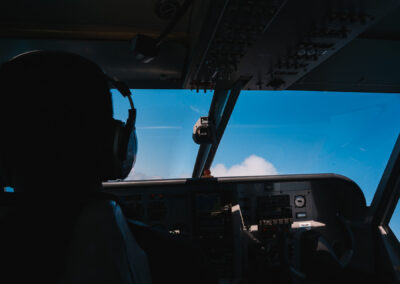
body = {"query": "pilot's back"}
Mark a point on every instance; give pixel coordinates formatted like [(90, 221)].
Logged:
[(84, 241)]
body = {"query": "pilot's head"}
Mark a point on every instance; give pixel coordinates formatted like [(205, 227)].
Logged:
[(57, 126)]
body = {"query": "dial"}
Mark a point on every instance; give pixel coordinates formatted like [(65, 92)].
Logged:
[(299, 201)]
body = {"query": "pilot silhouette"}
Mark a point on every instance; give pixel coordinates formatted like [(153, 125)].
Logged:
[(59, 142)]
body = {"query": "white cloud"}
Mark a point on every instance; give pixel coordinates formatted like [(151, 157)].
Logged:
[(134, 175), (251, 166)]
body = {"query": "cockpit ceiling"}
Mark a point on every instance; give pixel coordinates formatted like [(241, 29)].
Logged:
[(99, 19), (349, 45), (114, 57)]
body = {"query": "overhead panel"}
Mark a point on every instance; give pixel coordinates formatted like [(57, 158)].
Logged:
[(230, 30), (335, 45), (278, 42), (364, 65), (369, 63)]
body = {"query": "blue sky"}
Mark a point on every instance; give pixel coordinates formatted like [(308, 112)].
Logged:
[(281, 132)]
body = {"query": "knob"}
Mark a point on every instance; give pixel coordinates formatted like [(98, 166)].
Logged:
[(299, 201)]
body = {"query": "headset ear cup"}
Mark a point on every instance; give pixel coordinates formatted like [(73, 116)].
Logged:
[(117, 146), (109, 159), (124, 149), (131, 151)]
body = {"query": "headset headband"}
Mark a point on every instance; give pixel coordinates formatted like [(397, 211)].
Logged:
[(125, 92)]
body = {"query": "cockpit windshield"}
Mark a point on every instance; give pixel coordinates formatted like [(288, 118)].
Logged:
[(269, 132), (164, 126)]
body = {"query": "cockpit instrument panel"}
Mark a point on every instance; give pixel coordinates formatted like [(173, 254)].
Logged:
[(182, 204), (230, 217)]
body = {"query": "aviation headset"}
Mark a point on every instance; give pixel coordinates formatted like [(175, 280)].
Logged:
[(124, 145), (121, 154)]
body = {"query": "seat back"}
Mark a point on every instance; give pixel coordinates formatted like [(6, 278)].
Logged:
[(68, 242), (103, 249)]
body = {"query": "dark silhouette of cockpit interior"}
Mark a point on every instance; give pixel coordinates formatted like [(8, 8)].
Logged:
[(67, 231), (72, 217)]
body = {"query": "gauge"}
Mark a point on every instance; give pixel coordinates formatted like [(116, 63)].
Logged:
[(299, 201)]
